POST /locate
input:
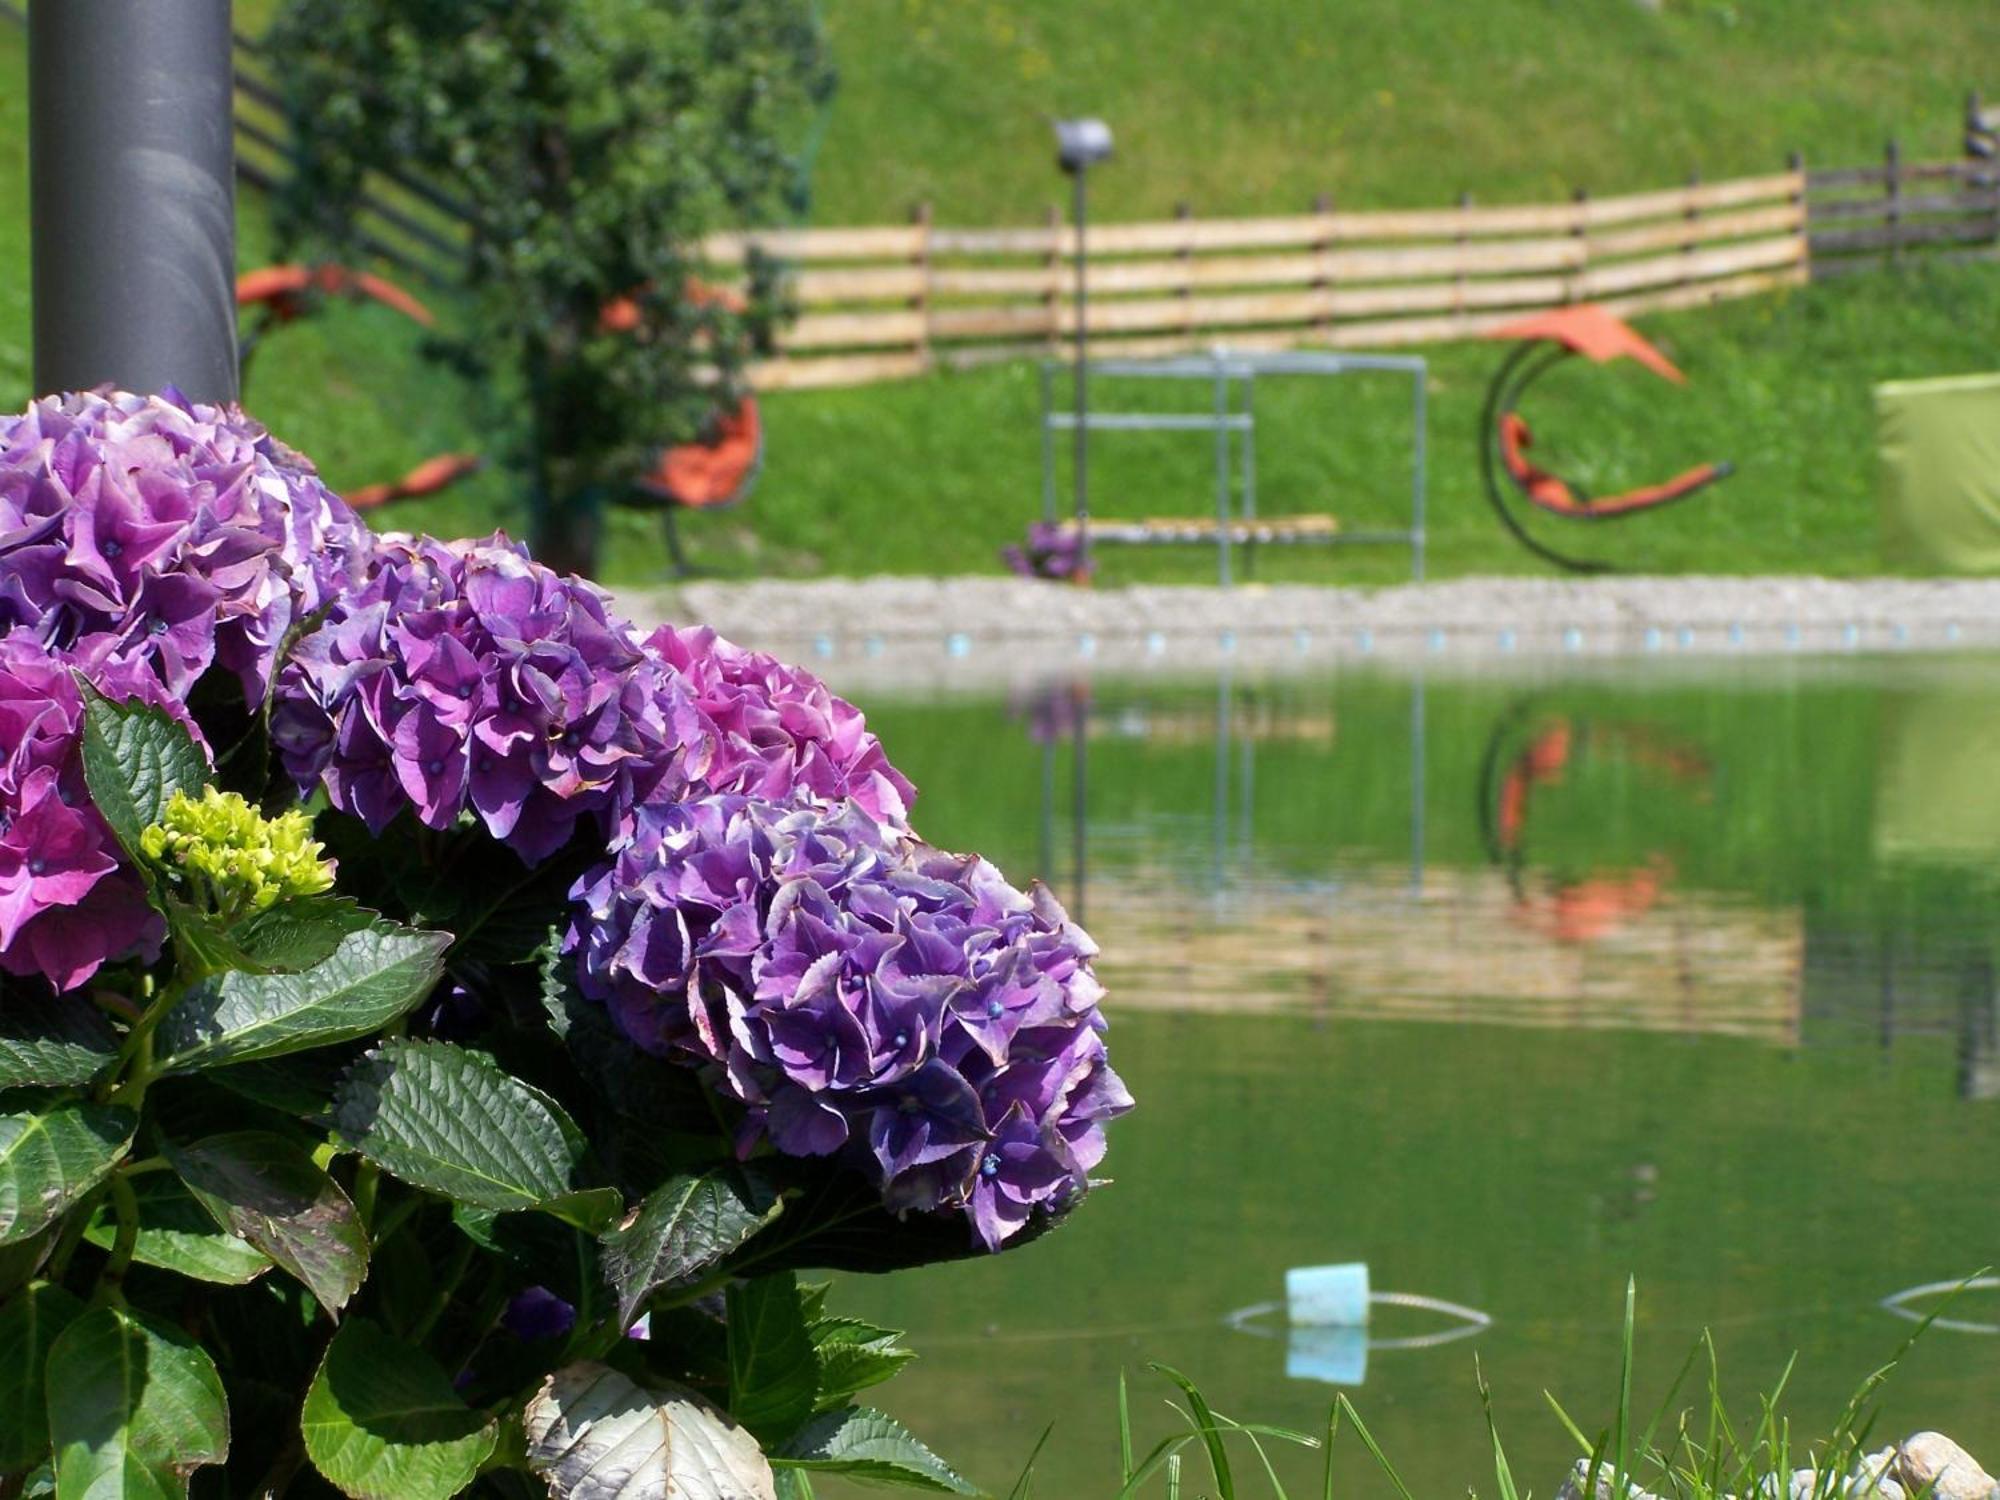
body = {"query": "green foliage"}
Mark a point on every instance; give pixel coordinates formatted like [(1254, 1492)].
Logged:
[(136, 761), (135, 1407), (382, 1421), (685, 1226), (232, 857), (592, 145), (869, 1445), (53, 1155), (266, 1191)]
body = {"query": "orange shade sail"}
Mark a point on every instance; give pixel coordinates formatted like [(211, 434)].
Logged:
[(1589, 330)]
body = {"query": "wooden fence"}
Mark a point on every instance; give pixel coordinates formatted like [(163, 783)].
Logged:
[(879, 303), (1866, 218)]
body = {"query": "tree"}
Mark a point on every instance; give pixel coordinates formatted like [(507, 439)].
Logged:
[(591, 145)]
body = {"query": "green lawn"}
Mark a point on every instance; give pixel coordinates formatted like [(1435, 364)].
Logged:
[(1255, 107)]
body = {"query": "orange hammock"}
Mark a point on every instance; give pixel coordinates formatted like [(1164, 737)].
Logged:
[(1546, 339)]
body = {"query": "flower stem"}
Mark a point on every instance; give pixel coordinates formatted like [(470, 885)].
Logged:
[(110, 1281)]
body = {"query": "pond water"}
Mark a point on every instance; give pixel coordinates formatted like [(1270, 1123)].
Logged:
[(1509, 988)]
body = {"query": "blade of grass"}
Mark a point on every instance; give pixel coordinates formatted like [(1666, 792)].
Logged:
[(1332, 1432), (1503, 1476), (1205, 1425), (1158, 1455), (1124, 1431), (1174, 1477), (1569, 1426), (1375, 1449), (1025, 1485), (1621, 1482)]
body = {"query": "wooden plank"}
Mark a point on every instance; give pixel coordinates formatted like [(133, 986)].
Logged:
[(1909, 206), (1697, 197), (786, 374), (985, 281), (880, 242), (1437, 296), (1381, 333), (1039, 240), (819, 288), (997, 320), (1831, 179), (1701, 265), (1166, 235), (1704, 293), (1777, 219), (853, 330)]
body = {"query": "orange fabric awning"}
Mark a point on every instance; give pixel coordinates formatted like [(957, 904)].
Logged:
[(1589, 330)]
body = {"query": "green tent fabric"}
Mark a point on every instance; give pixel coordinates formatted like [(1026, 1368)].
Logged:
[(1940, 447)]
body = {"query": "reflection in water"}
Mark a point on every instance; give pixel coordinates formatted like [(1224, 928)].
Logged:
[(1510, 989)]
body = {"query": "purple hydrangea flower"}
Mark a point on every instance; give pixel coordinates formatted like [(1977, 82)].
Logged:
[(861, 993), (153, 529), (464, 677), (68, 903), (782, 732)]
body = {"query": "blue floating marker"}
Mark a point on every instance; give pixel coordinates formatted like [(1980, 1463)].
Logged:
[(1506, 640), (1156, 644), (1951, 631), (1365, 639), (872, 646), (1572, 639), (1437, 641), (958, 643), (1327, 1296), (823, 645), (1333, 1356), (1301, 640), (1086, 644), (1901, 632), (1226, 641), (1792, 634), (1652, 638), (1684, 638), (1851, 635), (1735, 634)]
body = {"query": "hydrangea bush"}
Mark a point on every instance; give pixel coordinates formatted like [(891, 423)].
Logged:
[(442, 1020)]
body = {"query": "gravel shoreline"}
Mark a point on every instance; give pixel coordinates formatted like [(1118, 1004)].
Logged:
[(964, 620)]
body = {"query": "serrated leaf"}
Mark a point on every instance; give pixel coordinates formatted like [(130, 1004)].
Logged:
[(772, 1373), (30, 1322), (300, 933), (382, 1422), (50, 1159), (684, 1226), (176, 1234), (134, 759), (135, 1407), (449, 1120), (853, 1356), (594, 1434), (300, 1083), (267, 1191), (376, 974), (50, 1041), (867, 1444)]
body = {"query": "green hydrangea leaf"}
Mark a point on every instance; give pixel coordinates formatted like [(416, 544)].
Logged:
[(135, 1407), (266, 1190), (135, 758), (382, 1422), (868, 1445), (52, 1157), (30, 1322), (595, 1434), (683, 1227)]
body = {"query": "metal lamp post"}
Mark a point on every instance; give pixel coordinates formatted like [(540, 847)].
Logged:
[(1080, 145), (132, 195)]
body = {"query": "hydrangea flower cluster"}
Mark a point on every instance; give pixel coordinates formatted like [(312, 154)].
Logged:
[(68, 904), (781, 732), (861, 993), (149, 528), (235, 858), (464, 676)]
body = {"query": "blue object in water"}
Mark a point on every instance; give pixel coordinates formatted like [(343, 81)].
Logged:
[(1327, 1296), (1335, 1356)]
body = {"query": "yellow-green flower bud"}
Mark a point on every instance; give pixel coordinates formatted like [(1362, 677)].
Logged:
[(241, 860)]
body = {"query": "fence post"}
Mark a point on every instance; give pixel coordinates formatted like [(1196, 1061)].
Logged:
[(1795, 163), (1184, 213), (1691, 238), (1892, 183), (1322, 281), (1459, 240), (920, 215), (1580, 228), (1052, 263)]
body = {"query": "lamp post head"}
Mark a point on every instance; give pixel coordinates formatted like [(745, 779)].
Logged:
[(1081, 143)]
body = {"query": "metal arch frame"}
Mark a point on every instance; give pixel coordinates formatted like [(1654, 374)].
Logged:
[(1235, 470), (1517, 372)]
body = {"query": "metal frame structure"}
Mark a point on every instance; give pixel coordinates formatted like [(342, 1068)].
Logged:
[(1234, 377)]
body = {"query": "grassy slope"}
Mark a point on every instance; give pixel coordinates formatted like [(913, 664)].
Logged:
[(935, 475), (1257, 105)]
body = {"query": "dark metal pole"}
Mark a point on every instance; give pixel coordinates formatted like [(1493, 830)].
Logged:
[(1082, 379), (132, 199)]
